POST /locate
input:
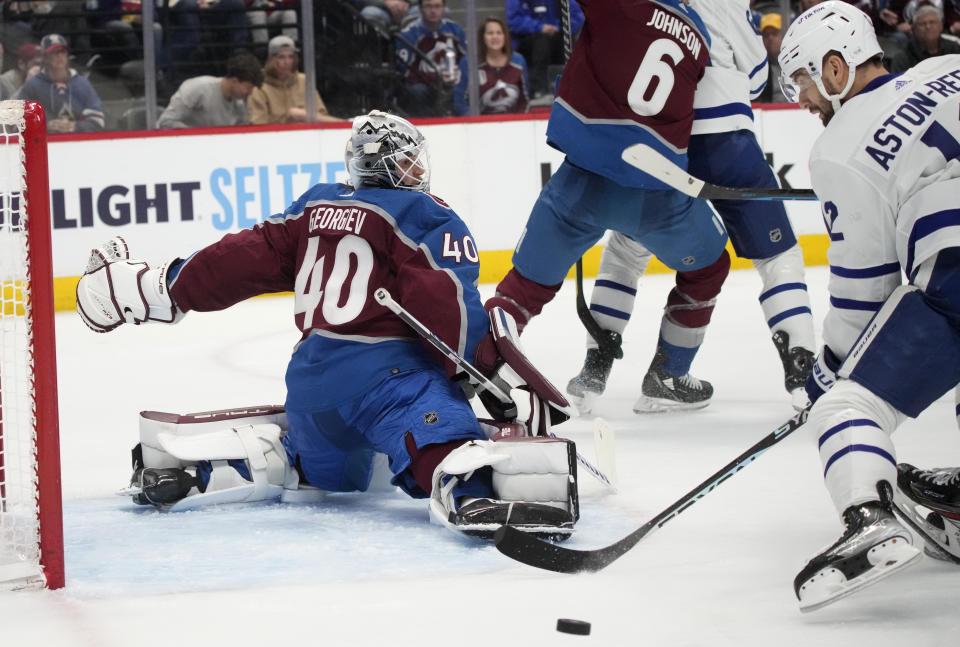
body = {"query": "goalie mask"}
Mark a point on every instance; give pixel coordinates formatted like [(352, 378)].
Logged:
[(831, 26), (387, 151)]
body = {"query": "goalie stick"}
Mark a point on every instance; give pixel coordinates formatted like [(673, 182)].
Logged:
[(656, 165), (382, 295), (535, 552)]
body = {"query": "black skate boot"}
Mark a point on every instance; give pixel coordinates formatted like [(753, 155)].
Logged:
[(873, 546), (584, 388), (797, 364), (162, 487), (929, 502), (664, 392)]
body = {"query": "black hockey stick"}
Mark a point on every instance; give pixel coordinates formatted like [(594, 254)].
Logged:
[(528, 549), (655, 164), (609, 343), (382, 295)]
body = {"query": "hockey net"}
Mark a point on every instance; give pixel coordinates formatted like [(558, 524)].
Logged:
[(31, 532)]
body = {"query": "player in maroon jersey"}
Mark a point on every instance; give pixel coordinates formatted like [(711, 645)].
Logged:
[(631, 78)]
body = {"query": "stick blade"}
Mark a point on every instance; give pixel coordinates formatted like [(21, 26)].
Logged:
[(532, 551), (659, 167)]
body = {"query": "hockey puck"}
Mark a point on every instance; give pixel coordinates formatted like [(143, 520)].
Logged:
[(570, 626)]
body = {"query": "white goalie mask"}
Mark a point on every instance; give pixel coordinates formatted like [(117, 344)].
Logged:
[(386, 151), (831, 26)]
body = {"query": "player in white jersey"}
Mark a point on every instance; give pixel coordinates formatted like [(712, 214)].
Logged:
[(722, 130), (887, 172)]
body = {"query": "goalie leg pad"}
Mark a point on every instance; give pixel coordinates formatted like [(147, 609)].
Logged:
[(534, 484), (206, 459)]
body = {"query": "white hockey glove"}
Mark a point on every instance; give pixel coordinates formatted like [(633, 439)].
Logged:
[(824, 374), (115, 290)]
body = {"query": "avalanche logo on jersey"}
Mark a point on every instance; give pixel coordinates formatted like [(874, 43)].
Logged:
[(434, 48), (501, 96)]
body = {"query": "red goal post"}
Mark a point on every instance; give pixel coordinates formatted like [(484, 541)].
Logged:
[(31, 519)]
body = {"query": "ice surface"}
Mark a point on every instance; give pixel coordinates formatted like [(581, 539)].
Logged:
[(364, 570)]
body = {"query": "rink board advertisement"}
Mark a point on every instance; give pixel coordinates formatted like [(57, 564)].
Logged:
[(171, 194)]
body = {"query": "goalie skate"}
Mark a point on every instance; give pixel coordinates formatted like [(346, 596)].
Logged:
[(664, 392), (873, 547), (925, 500)]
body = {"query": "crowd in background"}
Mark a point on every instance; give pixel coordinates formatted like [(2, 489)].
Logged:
[(228, 62), (909, 31)]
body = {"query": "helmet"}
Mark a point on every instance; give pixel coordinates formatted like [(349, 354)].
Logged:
[(387, 151), (826, 27)]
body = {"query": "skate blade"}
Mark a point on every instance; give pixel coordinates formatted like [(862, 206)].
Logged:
[(887, 558), (646, 404), (584, 403)]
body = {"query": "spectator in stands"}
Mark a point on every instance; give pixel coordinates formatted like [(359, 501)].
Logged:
[(55, 17), (388, 14), (69, 101), (429, 51), (538, 36), (226, 20), (501, 72), (771, 30), (28, 54), (205, 101), (926, 40), (282, 99), (117, 30), (267, 15), (901, 13)]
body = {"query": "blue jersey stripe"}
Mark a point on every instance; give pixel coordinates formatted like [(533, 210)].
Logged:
[(865, 272), (611, 312), (786, 314), (854, 304), (926, 226), (726, 110), (846, 424), (783, 287), (849, 449), (613, 285)]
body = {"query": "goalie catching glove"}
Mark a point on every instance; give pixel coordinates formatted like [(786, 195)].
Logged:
[(115, 290)]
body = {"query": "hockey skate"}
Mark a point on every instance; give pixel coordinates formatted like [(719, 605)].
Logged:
[(873, 546), (584, 388), (664, 392), (797, 364), (929, 502)]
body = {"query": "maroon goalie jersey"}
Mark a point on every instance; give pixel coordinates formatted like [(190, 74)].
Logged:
[(333, 248), (630, 79)]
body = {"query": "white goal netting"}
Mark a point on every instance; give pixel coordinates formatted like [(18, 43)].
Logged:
[(19, 523)]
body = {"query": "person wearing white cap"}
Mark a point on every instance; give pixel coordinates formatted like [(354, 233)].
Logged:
[(282, 99), (69, 100)]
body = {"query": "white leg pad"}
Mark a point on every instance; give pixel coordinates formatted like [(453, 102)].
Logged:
[(258, 445), (525, 470), (154, 423)]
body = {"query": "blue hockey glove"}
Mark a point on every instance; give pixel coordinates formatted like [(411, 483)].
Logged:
[(824, 374)]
